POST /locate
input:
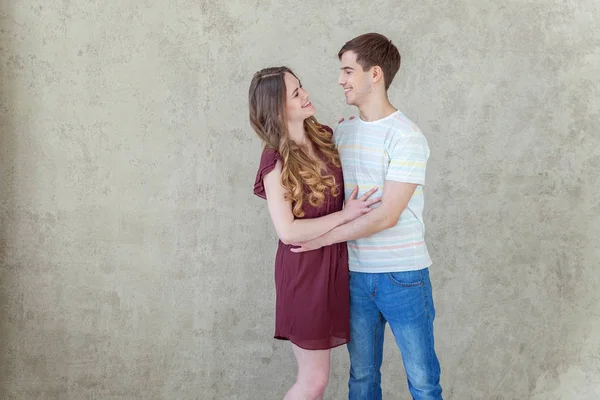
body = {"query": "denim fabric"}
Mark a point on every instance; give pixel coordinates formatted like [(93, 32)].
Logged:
[(404, 300)]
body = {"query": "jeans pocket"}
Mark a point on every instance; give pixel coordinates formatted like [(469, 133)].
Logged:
[(406, 278)]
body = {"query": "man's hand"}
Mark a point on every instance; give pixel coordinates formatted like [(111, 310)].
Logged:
[(342, 119), (311, 245)]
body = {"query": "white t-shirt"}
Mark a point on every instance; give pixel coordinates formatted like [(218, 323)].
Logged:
[(392, 148)]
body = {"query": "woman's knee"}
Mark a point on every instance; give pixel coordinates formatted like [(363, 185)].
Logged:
[(321, 382), (315, 382)]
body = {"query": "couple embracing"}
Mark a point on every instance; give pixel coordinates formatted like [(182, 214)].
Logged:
[(347, 206)]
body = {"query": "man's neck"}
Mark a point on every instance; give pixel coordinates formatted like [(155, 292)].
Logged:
[(375, 109)]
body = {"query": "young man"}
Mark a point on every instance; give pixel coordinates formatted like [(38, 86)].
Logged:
[(389, 261)]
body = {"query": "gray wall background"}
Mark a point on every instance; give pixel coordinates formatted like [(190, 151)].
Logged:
[(135, 263)]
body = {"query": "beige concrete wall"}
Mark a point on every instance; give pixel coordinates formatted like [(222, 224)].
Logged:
[(135, 263)]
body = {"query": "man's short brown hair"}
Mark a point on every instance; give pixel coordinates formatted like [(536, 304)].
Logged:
[(373, 49)]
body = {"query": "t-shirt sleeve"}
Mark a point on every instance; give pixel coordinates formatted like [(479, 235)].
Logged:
[(408, 159), (268, 160)]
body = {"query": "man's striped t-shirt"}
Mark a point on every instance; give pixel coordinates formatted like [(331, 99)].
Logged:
[(392, 148)]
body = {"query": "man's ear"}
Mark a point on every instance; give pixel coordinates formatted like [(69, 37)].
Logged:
[(377, 74)]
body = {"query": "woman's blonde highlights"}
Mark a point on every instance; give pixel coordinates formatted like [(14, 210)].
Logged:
[(304, 178)]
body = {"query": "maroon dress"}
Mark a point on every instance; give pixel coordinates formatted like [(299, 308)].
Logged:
[(312, 295)]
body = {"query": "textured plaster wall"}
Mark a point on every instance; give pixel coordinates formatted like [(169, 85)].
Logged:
[(135, 263)]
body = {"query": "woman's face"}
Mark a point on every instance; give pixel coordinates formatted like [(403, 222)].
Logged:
[(298, 105)]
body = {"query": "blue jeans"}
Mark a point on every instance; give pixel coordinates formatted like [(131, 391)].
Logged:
[(404, 300)]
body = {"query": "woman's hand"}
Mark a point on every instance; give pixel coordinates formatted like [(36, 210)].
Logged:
[(354, 207)]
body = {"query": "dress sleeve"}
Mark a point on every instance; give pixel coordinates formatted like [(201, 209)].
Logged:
[(268, 160)]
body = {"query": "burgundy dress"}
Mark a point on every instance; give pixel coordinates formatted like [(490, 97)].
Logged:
[(312, 295)]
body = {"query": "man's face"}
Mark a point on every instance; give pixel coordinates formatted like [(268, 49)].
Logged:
[(357, 83)]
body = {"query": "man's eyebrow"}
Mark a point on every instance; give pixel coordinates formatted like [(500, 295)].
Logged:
[(348, 68)]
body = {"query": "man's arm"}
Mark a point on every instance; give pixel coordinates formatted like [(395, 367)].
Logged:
[(396, 196), (290, 229)]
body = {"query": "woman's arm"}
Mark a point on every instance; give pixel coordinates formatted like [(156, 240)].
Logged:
[(292, 230)]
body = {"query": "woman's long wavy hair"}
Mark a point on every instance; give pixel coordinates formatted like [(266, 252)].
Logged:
[(303, 177)]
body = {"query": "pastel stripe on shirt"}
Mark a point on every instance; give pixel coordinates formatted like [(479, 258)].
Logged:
[(392, 148)]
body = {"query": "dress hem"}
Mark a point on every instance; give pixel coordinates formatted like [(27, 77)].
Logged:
[(283, 338)]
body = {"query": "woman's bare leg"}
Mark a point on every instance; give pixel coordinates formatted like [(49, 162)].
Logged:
[(313, 374)]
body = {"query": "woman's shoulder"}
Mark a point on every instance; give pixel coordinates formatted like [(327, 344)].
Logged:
[(327, 128), (268, 160), (269, 155)]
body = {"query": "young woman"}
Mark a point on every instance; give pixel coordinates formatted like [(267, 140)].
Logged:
[(301, 178)]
